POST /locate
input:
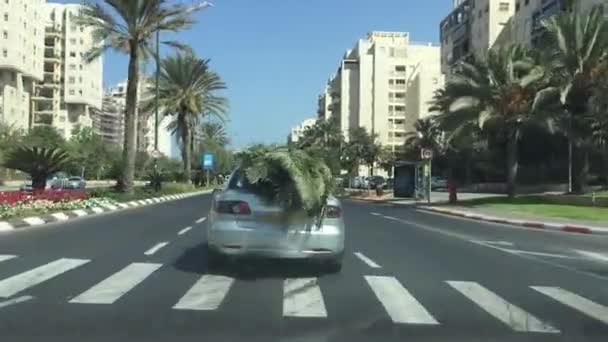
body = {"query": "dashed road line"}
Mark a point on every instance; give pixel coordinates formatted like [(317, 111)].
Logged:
[(156, 248), (367, 260), (184, 231), (200, 220)]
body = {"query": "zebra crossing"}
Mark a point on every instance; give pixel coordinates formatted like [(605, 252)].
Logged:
[(304, 298)]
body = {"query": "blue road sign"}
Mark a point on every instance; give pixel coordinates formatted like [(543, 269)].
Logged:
[(208, 161)]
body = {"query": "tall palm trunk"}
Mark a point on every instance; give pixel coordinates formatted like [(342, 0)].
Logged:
[(582, 169), (187, 153), (512, 162), (130, 148)]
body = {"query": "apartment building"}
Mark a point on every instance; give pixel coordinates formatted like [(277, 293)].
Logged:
[(526, 25), (21, 50), (297, 132), (109, 122), (384, 84), (474, 26), (72, 87)]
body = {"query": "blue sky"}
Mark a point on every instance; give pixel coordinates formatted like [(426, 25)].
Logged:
[(276, 55)]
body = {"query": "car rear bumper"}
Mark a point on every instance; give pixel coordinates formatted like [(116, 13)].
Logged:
[(227, 239)]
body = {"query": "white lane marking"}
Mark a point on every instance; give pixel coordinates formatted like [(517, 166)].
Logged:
[(156, 248), (390, 218), (576, 302), (302, 298), (4, 257), (60, 216), (17, 283), (112, 288), (15, 301), (184, 231), (497, 243), (400, 305), (367, 260), (97, 210), (511, 315), (34, 221), (80, 212), (200, 220), (376, 214), (594, 255), (550, 255), (5, 227), (206, 294)]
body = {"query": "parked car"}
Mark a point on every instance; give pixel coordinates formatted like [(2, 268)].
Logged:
[(241, 224), (76, 183), (51, 183), (438, 183), (375, 181)]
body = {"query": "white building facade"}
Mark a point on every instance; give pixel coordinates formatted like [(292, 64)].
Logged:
[(72, 87), (384, 84), (21, 51), (297, 132)]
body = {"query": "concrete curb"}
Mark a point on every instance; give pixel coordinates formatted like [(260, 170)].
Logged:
[(564, 227), (72, 214)]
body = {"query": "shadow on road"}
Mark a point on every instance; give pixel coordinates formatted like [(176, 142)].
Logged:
[(195, 260)]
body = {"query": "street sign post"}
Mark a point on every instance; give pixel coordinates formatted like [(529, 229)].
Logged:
[(207, 163)]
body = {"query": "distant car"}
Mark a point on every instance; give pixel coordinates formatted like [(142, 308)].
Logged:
[(375, 181), (27, 185), (76, 183), (242, 224), (438, 183)]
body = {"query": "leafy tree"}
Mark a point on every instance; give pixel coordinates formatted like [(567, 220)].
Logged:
[(428, 135), (129, 26), (89, 152), (188, 92), (507, 88), (577, 48), (44, 136), (362, 148), (38, 162)]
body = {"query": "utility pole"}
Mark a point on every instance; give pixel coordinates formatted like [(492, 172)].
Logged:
[(157, 100)]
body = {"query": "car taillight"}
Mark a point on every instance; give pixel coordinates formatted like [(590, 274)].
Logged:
[(333, 212), (232, 207)]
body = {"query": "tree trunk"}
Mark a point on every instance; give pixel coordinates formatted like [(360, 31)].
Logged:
[(582, 170), (130, 148), (606, 166), (512, 163), (39, 182), (187, 153)]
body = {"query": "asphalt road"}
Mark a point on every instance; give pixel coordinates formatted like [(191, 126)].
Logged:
[(141, 275)]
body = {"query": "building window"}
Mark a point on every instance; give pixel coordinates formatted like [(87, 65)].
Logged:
[(79, 79), (72, 66), (72, 54), (517, 6), (400, 81), (81, 41), (5, 16), (73, 41), (4, 53), (391, 82), (72, 92), (400, 108), (5, 34), (400, 68), (72, 80), (399, 95), (79, 91), (73, 28), (503, 6), (80, 66)]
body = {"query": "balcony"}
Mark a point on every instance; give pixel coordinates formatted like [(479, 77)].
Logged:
[(52, 32)]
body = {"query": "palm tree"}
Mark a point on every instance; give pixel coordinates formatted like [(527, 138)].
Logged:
[(38, 162), (187, 93), (214, 134), (578, 57), (128, 26), (428, 135), (502, 89)]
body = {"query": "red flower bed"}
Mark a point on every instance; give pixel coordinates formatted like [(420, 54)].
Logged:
[(12, 197)]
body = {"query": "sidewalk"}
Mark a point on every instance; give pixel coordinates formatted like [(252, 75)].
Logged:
[(493, 215), (521, 219)]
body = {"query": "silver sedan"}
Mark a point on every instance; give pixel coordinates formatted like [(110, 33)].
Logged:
[(242, 224)]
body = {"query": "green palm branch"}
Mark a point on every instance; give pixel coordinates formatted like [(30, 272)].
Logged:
[(38, 162)]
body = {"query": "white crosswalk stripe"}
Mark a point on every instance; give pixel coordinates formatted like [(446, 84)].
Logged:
[(582, 304), (400, 305), (302, 298), (206, 294), (511, 315), (4, 257), (115, 286), (33, 277)]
